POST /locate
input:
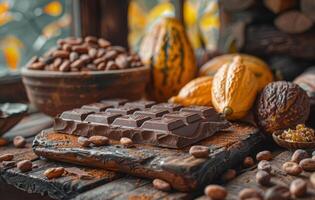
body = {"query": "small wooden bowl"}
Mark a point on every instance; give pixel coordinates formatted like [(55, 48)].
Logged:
[(11, 114), (292, 145), (54, 92)]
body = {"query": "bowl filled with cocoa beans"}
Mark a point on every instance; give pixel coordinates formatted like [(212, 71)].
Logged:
[(79, 71)]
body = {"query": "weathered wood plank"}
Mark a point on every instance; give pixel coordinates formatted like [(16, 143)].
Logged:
[(64, 187), (247, 179), (177, 167)]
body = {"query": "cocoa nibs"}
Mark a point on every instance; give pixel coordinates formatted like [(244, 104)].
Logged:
[(161, 185), (77, 54), (55, 172), (216, 192), (24, 165), (19, 141), (199, 151)]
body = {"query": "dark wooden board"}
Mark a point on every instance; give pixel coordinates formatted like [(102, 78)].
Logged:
[(177, 167), (247, 179)]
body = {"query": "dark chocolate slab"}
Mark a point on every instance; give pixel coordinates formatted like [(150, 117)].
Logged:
[(97, 107), (145, 122), (76, 114)]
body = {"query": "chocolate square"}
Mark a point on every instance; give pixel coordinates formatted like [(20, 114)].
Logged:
[(151, 112), (131, 120), (163, 124), (115, 102), (76, 114), (102, 118), (188, 117), (171, 107), (140, 104), (122, 110), (97, 107)]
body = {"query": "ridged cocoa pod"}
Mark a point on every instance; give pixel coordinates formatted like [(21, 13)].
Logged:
[(282, 105)]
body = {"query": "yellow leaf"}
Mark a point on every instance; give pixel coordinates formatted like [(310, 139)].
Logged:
[(53, 8)]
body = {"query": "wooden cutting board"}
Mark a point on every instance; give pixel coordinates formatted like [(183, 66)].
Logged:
[(176, 166)]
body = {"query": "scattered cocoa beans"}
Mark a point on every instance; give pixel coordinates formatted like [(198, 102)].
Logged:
[(249, 193), (263, 178), (264, 155), (98, 140), (264, 165), (278, 192), (215, 192), (248, 162), (292, 168), (308, 164), (229, 175), (312, 179), (24, 165), (55, 172), (298, 187), (3, 142), (6, 157), (299, 155), (199, 151), (161, 185), (127, 142), (19, 141), (83, 141)]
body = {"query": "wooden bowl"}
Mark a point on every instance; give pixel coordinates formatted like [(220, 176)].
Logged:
[(10, 115), (292, 145), (54, 92)]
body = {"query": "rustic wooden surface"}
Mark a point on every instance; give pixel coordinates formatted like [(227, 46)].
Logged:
[(103, 184), (176, 166)]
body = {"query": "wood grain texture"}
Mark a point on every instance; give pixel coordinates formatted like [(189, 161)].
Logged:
[(177, 167), (266, 40)]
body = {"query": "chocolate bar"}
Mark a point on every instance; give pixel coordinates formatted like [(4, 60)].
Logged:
[(145, 122)]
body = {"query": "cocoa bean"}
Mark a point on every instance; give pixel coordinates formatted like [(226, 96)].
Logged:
[(61, 54), (19, 141), (73, 56), (248, 161), (83, 141), (263, 178), (90, 39), (24, 165), (264, 165), (161, 185), (6, 157), (312, 179), (199, 151), (127, 142), (299, 155), (264, 155), (229, 175), (111, 65), (77, 64), (99, 140), (298, 187), (308, 164), (55, 172), (80, 49), (3, 142), (103, 43), (122, 61), (92, 53), (249, 193), (110, 55), (36, 66), (65, 66), (215, 192), (292, 168), (278, 193)]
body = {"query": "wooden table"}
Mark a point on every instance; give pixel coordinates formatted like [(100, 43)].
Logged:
[(105, 184)]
